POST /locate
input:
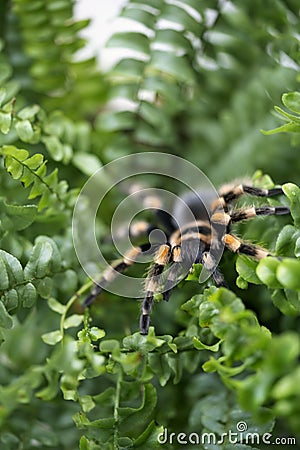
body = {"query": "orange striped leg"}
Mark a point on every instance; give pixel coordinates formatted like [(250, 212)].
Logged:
[(236, 245), (229, 193), (161, 258), (112, 272)]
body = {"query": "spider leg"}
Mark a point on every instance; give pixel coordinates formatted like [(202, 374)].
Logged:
[(153, 202), (187, 249), (113, 271), (228, 194), (206, 258), (174, 272), (238, 215), (138, 230), (236, 245), (161, 258), (210, 264)]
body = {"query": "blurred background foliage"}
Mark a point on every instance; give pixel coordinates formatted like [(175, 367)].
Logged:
[(195, 79)]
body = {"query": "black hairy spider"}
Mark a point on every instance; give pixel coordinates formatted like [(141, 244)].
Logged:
[(193, 242)]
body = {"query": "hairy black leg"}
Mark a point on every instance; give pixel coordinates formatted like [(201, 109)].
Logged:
[(236, 245), (113, 271), (238, 215), (161, 258)]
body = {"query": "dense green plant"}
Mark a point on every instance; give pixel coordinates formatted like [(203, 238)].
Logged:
[(201, 83)]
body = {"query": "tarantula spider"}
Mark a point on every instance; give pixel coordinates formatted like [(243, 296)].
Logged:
[(195, 242)]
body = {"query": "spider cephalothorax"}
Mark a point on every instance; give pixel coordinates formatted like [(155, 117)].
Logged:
[(188, 242)]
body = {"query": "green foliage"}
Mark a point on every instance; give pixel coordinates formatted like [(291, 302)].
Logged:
[(41, 41), (291, 101), (200, 81), (32, 171)]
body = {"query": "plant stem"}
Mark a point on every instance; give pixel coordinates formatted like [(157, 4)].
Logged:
[(72, 300), (116, 408)]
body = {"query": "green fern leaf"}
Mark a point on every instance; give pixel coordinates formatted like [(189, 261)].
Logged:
[(44, 259), (5, 319), (15, 289), (16, 217), (13, 268), (33, 171)]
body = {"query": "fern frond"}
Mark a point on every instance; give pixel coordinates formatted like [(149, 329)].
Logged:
[(20, 287), (32, 171), (47, 38), (15, 289), (16, 217), (159, 76)]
